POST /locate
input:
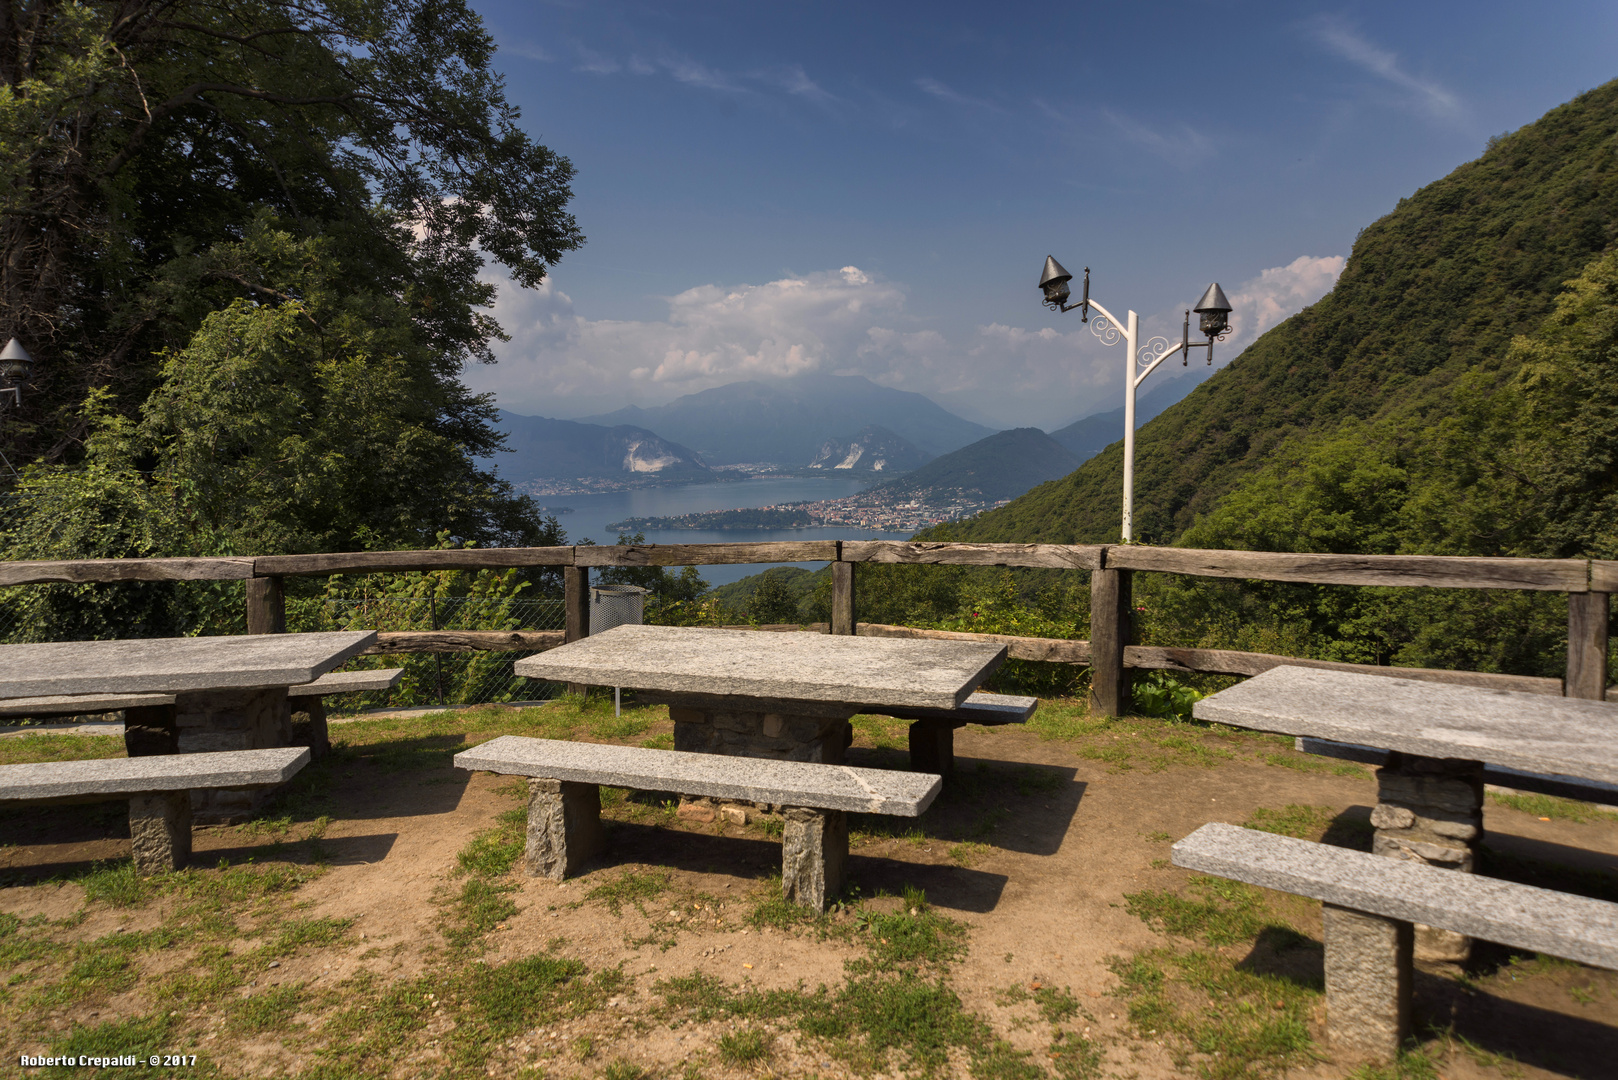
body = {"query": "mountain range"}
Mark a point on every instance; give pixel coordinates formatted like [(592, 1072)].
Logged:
[(788, 421), (873, 450), (1002, 466), (1089, 435), (541, 449)]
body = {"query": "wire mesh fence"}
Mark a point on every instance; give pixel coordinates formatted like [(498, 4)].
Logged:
[(461, 678)]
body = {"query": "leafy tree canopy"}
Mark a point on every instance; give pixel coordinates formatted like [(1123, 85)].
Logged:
[(244, 239)]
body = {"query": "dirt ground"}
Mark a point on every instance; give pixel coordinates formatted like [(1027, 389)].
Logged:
[(1036, 848)]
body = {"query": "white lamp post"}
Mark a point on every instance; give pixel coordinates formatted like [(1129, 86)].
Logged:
[(1139, 361)]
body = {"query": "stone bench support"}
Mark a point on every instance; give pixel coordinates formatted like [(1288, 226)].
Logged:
[(1370, 907), (564, 804)]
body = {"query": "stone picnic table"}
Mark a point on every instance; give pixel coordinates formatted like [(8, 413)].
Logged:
[(230, 692), (783, 696), (1439, 737)]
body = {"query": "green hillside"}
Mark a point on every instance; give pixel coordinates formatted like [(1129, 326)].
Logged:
[(1002, 466), (1400, 370)]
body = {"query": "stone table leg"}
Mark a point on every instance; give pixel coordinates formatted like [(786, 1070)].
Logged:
[(1367, 983), (1431, 810), (232, 720), (150, 730), (309, 725), (160, 831), (564, 827), (932, 747), (814, 855)]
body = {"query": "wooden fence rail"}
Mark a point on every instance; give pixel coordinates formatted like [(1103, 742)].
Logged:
[(1111, 651)]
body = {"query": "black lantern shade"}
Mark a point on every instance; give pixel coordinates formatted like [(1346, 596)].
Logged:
[(15, 364), (1215, 311), (1054, 281)]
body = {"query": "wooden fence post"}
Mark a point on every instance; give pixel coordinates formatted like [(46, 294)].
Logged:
[(1111, 624), (576, 602), (842, 598), (266, 606), (1587, 645)]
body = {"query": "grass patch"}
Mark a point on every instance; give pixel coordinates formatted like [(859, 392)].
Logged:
[(631, 887), (1295, 819), (1225, 912), (1549, 806), (1313, 764), (59, 746), (916, 934), (271, 1010), (493, 852), (748, 1046)]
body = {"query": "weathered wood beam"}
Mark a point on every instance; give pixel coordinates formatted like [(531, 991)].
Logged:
[(705, 554), (1444, 571), (454, 641), (84, 571), (1227, 662), (375, 562), (1111, 628), (1054, 650), (1587, 617), (1057, 556), (843, 616), (266, 606)]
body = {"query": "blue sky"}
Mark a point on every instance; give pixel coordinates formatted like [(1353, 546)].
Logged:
[(770, 189)]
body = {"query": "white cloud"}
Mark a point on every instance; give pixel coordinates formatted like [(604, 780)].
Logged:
[(1279, 293), (844, 321), (1428, 95)]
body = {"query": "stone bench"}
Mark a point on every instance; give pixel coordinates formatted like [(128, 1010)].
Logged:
[(308, 701), (932, 735), (1566, 787), (158, 789), (564, 800), (1370, 904)]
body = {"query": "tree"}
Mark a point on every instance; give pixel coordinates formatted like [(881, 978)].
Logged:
[(772, 601), (291, 199)]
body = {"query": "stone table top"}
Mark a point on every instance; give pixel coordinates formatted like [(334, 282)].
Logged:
[(710, 662), (173, 665), (1532, 732)]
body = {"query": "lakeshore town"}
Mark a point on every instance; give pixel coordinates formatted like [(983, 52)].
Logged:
[(866, 510)]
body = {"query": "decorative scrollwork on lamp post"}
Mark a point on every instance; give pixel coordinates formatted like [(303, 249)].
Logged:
[(1139, 361)]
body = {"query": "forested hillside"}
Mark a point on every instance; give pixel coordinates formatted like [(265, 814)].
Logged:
[(1402, 386)]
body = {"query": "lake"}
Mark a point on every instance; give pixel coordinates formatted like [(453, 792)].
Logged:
[(592, 513)]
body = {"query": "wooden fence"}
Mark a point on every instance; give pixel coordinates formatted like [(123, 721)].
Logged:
[(1109, 652)]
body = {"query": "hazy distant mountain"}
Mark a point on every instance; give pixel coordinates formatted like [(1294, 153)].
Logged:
[(542, 449), (787, 421), (874, 450), (1003, 466), (1089, 436)]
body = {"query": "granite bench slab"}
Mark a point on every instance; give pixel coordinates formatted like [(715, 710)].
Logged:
[(1371, 903), (981, 707), (1565, 787), (758, 780), (113, 778), (348, 682), (79, 704), (564, 801), (932, 732), (158, 789)]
